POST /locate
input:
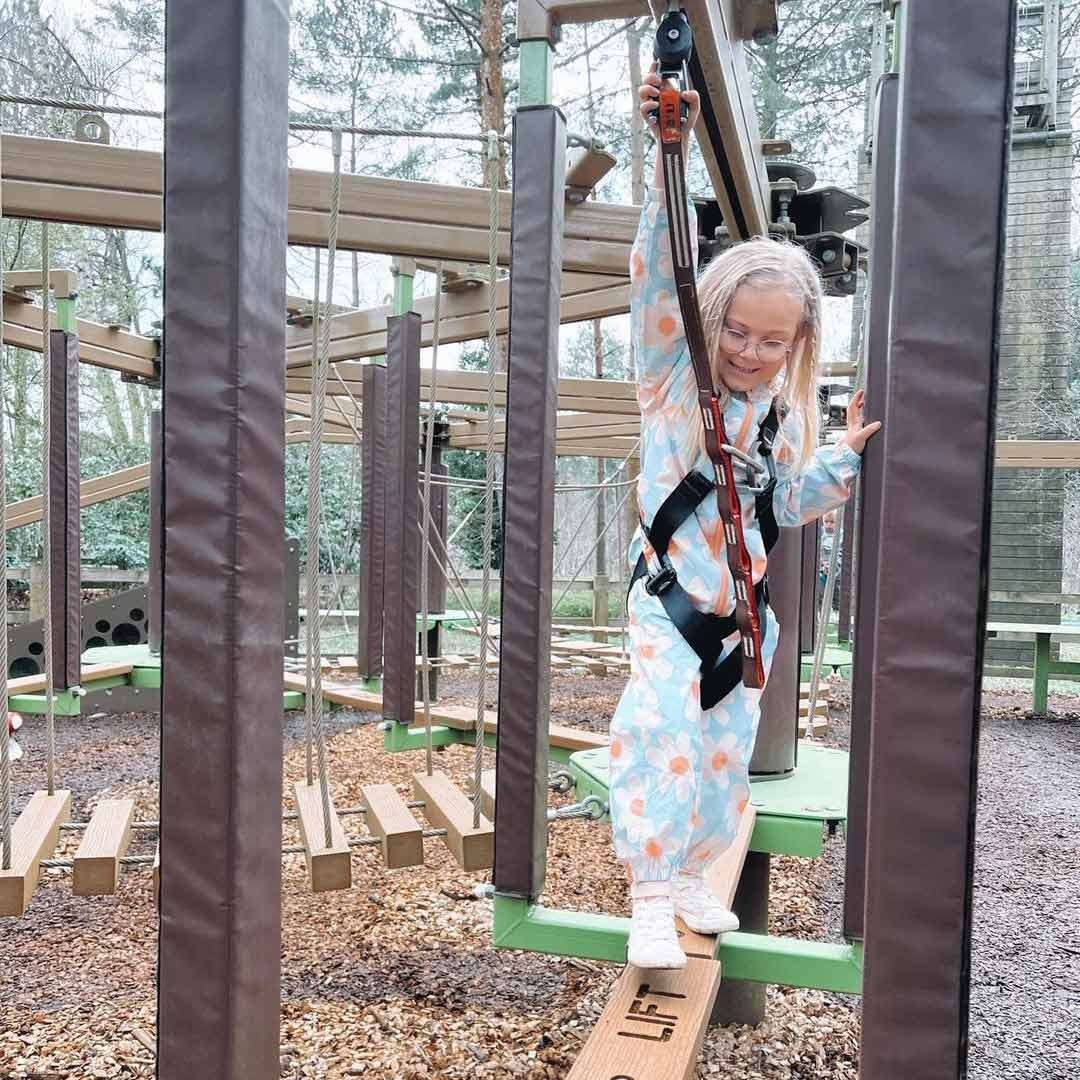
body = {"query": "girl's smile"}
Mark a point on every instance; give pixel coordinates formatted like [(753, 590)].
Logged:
[(760, 330)]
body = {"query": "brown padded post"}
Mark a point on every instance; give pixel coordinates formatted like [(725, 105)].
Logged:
[(401, 588), (521, 781), (876, 352), (226, 114), (65, 585), (153, 577), (955, 117), (369, 644)]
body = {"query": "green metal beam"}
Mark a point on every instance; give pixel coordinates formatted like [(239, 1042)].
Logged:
[(750, 957), (788, 836), (535, 73), (398, 737), (65, 314), (403, 292)]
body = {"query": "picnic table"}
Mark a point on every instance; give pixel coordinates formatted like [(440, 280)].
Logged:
[(1044, 665)]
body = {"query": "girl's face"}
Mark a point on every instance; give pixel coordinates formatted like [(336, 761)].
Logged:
[(763, 316)]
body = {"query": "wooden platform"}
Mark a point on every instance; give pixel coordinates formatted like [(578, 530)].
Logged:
[(391, 820), (33, 838), (104, 844), (330, 867), (655, 1022), (447, 807), (91, 673)]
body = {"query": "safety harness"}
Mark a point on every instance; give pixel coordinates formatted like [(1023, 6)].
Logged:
[(704, 632)]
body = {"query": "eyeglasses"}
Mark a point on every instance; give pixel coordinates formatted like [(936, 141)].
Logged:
[(768, 352)]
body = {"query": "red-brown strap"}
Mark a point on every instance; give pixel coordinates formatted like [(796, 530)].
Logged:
[(727, 496)]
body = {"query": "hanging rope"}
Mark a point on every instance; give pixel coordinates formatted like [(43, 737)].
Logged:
[(489, 483), (318, 408), (309, 688), (46, 518), (5, 740), (429, 439)]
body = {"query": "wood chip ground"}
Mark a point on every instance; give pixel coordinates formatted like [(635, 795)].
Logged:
[(397, 977)]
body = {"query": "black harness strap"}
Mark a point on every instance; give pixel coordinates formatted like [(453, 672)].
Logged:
[(703, 631)]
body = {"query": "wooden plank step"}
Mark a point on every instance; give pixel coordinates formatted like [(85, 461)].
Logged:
[(33, 838), (820, 726), (487, 793), (104, 844), (330, 867), (653, 1025), (446, 807), (390, 819), (821, 707)]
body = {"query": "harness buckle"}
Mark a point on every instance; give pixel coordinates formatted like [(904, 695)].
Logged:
[(662, 580)]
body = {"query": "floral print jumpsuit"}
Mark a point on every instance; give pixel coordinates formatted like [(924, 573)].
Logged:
[(680, 775)]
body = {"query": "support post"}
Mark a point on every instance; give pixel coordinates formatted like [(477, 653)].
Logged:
[(847, 564), (876, 360), (740, 1002), (529, 501), (225, 218), (402, 550), (778, 730), (811, 576), (956, 84), (372, 566), (292, 597), (153, 578), (65, 584)]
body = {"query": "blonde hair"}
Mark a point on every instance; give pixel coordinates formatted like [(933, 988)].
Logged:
[(766, 263)]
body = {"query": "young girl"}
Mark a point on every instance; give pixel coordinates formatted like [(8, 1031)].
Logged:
[(679, 774)]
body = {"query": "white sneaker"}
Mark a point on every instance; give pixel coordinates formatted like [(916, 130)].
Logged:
[(702, 911), (653, 941)]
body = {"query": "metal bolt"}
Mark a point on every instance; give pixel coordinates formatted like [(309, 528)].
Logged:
[(673, 34)]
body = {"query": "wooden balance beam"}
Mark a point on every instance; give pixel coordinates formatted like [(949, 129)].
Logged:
[(654, 1022), (459, 717)]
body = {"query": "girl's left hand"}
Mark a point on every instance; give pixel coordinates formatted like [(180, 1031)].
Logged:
[(857, 433)]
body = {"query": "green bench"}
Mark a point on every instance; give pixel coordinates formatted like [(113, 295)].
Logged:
[(1044, 665)]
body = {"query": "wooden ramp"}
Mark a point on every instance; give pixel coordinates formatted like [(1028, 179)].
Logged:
[(654, 1022)]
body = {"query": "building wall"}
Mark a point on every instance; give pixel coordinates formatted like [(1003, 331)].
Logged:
[(1034, 359)]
